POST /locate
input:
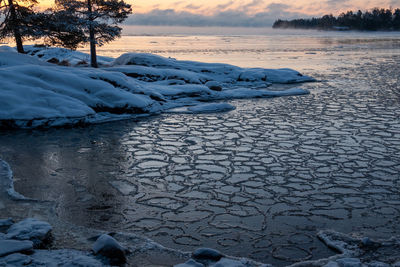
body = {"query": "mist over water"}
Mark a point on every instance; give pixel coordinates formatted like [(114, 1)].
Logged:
[(303, 50)]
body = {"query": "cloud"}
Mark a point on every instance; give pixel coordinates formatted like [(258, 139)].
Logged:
[(225, 6), (227, 18), (252, 4), (193, 7)]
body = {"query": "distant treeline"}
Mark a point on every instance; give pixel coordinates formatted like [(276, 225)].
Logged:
[(374, 20)]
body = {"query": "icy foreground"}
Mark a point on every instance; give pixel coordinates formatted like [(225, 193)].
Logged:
[(36, 93), (29, 242)]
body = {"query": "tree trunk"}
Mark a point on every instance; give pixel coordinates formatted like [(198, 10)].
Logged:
[(93, 57), (92, 39), (17, 34)]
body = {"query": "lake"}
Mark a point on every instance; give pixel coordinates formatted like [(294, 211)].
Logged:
[(257, 182)]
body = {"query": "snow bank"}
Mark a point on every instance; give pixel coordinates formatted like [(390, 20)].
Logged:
[(35, 93), (204, 72)]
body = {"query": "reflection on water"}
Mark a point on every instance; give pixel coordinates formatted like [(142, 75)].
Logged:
[(259, 181)]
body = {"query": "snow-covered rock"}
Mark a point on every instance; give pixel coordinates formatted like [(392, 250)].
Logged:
[(223, 73), (207, 254), (38, 232), (108, 247), (12, 246), (214, 85), (35, 93)]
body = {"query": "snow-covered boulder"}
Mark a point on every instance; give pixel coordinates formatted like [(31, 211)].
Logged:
[(38, 232), (108, 247), (218, 72), (214, 85), (207, 254), (35, 93), (13, 246)]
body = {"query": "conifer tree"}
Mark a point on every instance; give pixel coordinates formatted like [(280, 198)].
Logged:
[(95, 21), (18, 21)]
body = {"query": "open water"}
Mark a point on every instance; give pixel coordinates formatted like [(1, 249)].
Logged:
[(257, 182)]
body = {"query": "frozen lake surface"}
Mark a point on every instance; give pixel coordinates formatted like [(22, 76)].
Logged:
[(258, 181)]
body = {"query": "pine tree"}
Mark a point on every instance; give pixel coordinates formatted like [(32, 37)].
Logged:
[(18, 21), (95, 21), (59, 29)]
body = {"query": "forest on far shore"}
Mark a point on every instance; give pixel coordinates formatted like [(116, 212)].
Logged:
[(374, 20)]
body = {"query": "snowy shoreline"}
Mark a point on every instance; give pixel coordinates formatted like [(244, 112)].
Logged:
[(36, 93)]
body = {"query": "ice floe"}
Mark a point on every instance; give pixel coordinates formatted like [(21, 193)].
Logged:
[(36, 93), (204, 108)]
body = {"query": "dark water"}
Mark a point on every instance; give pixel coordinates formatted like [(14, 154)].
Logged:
[(257, 182)]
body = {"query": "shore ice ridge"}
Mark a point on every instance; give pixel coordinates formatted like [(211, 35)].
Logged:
[(36, 93)]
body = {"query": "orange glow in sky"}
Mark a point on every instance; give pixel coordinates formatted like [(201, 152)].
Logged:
[(210, 7)]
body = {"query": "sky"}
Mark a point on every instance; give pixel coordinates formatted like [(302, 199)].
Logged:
[(244, 13)]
